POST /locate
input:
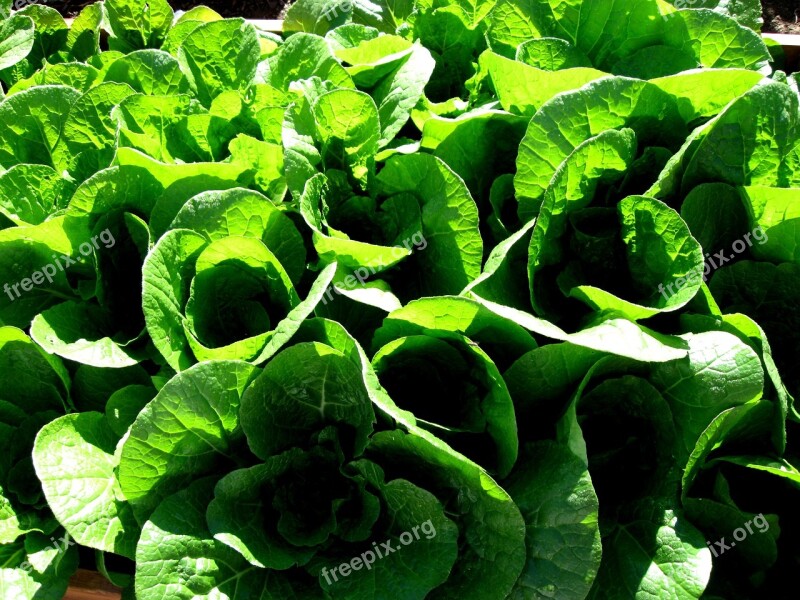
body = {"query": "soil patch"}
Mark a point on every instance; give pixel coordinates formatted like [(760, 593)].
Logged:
[(781, 16), (249, 9)]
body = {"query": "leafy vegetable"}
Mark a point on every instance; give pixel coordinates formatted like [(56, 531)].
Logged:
[(422, 299)]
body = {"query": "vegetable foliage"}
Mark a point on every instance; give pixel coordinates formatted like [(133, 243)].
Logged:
[(526, 272)]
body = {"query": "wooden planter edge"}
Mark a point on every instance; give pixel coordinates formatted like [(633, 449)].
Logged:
[(90, 585)]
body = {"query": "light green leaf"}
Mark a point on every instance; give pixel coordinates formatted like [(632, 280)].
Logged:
[(566, 121), (152, 72), (523, 89), (716, 40), (137, 24), (219, 56), (31, 123), (189, 430), (84, 333), (244, 213), (774, 216), (16, 40), (89, 504)]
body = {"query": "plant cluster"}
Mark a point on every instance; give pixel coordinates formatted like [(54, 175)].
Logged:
[(523, 275)]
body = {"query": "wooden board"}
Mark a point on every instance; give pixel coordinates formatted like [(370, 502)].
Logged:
[(791, 47), (273, 25), (88, 585)]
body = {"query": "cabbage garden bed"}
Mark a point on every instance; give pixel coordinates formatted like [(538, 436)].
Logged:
[(446, 300)]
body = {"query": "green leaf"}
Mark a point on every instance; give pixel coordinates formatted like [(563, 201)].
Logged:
[(89, 504), (34, 262), (177, 535), (605, 32), (239, 295), (124, 406), (145, 122), (566, 121), (30, 194), (774, 216), (705, 92), (83, 333), (16, 40), (455, 391), (615, 336), (417, 573), (731, 149), (600, 159), (542, 379), (266, 158), (492, 552), (167, 274), (43, 382), (49, 42), (314, 16), (189, 430), (173, 184), (83, 39), (73, 74), (89, 136), (93, 386), (660, 251), (137, 24), (746, 12), (454, 249), (303, 389), (523, 89), (240, 212), (31, 123), (301, 57), (37, 567), (554, 492), (716, 40), (664, 555), (551, 54), (262, 543), (395, 74), (124, 188), (340, 130), (768, 294), (715, 216), (219, 56), (729, 426), (503, 340), (332, 245), (152, 72), (719, 373)]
